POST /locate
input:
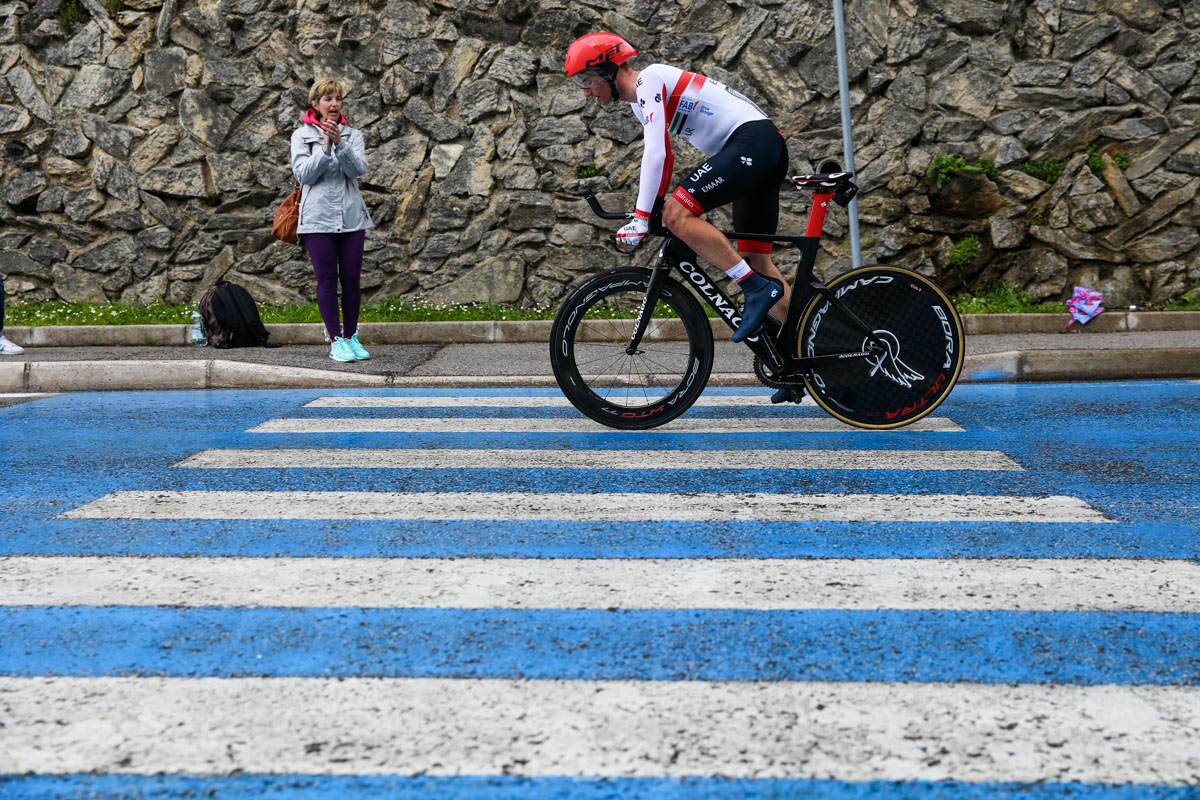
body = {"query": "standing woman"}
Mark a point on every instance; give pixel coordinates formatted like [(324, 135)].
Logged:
[(327, 158)]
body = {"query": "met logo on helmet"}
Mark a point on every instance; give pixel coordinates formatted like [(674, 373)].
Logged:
[(598, 51), (607, 55)]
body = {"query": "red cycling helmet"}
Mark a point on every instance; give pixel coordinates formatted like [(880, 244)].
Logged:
[(597, 55)]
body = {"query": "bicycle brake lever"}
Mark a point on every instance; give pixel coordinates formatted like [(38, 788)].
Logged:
[(623, 249)]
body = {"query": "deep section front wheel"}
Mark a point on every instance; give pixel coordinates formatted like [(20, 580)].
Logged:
[(654, 384), (915, 343)]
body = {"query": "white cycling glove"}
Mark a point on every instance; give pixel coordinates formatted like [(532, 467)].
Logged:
[(631, 235)]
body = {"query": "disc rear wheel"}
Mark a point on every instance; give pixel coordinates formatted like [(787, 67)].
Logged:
[(915, 343)]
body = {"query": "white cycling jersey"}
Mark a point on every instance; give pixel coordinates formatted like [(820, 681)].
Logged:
[(705, 111)]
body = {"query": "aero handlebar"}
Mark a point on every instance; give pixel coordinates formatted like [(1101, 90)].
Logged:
[(599, 211)]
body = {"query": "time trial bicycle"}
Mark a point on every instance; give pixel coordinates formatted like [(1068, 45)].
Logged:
[(877, 347)]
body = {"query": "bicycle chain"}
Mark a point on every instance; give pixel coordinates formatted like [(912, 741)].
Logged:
[(760, 372)]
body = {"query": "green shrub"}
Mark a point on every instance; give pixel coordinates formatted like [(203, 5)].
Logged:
[(1188, 301), (965, 251), (1001, 299), (1049, 170), (988, 167), (71, 13), (1095, 160), (590, 171), (945, 166)]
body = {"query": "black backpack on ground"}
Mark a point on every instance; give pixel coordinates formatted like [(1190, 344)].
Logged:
[(231, 317)]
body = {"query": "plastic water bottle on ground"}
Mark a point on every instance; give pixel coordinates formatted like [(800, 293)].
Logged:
[(196, 332)]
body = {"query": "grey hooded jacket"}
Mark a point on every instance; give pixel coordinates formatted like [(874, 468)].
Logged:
[(329, 200)]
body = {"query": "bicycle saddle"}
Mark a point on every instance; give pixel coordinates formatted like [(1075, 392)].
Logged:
[(826, 179), (839, 183)]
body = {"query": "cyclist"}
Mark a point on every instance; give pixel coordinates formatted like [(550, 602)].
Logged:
[(748, 162)]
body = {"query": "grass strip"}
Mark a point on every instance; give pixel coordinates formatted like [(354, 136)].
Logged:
[(995, 300), (52, 312)]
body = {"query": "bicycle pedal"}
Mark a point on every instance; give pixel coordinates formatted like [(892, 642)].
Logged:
[(787, 396)]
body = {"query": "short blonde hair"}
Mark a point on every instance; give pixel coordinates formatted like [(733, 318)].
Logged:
[(323, 87)]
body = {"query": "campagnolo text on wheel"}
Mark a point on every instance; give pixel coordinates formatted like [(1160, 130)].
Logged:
[(632, 348)]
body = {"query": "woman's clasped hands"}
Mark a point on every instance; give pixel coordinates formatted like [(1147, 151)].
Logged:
[(333, 133)]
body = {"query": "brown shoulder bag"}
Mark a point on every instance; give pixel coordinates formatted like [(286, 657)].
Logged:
[(286, 218)]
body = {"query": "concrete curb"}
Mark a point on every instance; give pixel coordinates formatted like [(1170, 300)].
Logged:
[(108, 376), (1074, 365), (1108, 322), (531, 331), (79, 376)]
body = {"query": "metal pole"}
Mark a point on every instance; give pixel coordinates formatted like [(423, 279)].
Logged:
[(839, 34)]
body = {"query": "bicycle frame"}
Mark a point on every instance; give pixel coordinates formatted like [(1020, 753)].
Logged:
[(778, 348)]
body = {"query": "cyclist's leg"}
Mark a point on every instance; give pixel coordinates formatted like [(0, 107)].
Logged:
[(740, 168), (763, 265), (747, 162), (758, 211), (760, 292), (699, 234)]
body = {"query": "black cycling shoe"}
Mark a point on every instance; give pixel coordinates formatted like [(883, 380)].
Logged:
[(761, 293), (787, 396)]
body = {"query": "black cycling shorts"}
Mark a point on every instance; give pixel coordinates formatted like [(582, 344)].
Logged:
[(747, 172)]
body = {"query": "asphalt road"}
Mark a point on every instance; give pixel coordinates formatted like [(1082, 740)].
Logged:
[(532, 359), (430, 593)]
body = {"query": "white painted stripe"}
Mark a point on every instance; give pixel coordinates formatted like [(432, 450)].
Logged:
[(633, 507), (439, 726), (749, 584), (9, 395), (363, 458), (820, 424), (507, 401)]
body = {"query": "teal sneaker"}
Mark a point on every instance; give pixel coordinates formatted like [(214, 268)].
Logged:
[(340, 350), (356, 347)]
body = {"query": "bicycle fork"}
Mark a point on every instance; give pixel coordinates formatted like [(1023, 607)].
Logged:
[(762, 343), (658, 277)]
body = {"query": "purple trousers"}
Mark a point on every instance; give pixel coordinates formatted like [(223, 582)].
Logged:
[(337, 258)]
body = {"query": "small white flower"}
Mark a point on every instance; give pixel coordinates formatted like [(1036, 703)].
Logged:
[(747, 161)]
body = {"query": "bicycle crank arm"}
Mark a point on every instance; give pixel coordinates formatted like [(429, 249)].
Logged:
[(763, 346)]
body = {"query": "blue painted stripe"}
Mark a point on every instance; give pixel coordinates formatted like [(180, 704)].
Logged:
[(1150, 497), (993, 647), (321, 787), (735, 539)]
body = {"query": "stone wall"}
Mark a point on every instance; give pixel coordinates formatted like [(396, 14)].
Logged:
[(145, 150)]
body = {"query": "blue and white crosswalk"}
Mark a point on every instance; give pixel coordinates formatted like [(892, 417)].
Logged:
[(480, 594)]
